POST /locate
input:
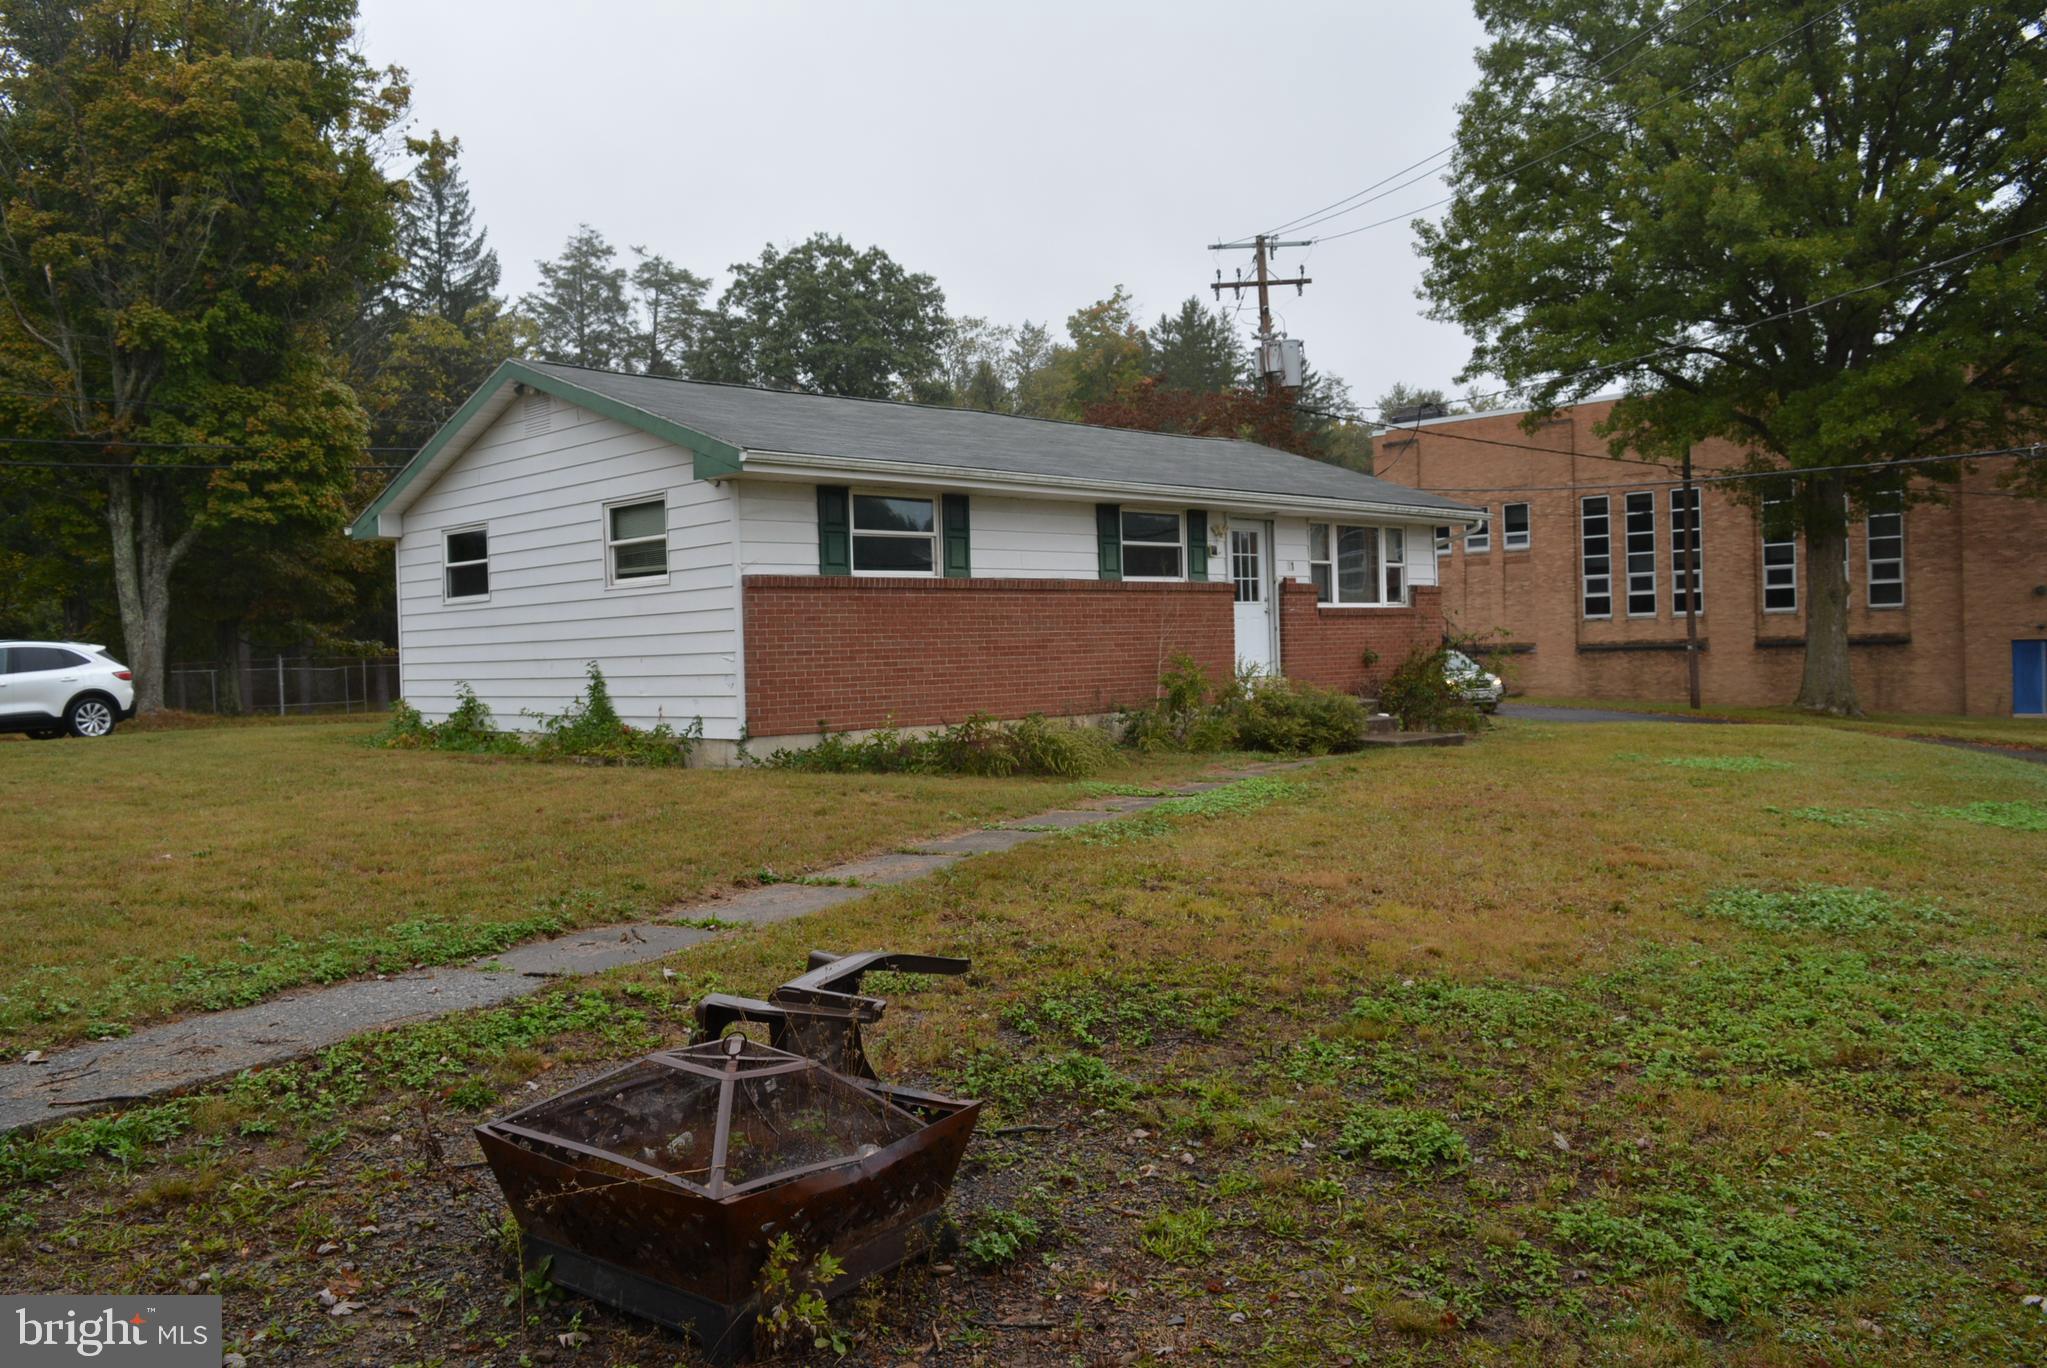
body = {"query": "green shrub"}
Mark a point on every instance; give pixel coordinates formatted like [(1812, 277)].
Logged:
[(978, 746), (1420, 694), (589, 730), (1253, 712), (1273, 713)]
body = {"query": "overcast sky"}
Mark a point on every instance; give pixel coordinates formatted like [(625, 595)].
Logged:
[(1029, 156)]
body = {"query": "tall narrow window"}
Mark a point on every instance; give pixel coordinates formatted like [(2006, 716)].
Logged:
[(1151, 544), (1684, 527), (1595, 533), (1393, 558), (1780, 556), (894, 535), (1514, 534), (638, 540), (1442, 542), (467, 556), (1641, 551), (1887, 552), (1321, 567), (1478, 538)]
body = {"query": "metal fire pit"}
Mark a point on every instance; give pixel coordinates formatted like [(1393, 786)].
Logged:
[(659, 1187)]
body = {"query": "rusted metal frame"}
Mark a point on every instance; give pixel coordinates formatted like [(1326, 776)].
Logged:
[(747, 1069), (593, 1085), (828, 971), (721, 1133), (826, 1002), (608, 1156)]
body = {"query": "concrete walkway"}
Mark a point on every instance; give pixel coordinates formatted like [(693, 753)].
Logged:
[(179, 1056)]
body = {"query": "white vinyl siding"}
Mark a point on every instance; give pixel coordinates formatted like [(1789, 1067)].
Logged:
[(541, 479)]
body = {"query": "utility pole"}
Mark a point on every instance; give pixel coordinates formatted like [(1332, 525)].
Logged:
[(1262, 247), (1688, 551)]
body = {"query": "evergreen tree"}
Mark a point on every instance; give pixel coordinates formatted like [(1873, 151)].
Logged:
[(580, 314), (1197, 349), (669, 304), (450, 271)]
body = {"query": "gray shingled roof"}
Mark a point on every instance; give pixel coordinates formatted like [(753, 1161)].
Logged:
[(822, 425)]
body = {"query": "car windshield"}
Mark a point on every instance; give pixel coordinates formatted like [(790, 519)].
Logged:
[(1458, 663)]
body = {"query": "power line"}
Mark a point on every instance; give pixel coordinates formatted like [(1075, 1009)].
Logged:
[(2033, 453), (174, 446), (1588, 137), (1315, 216), (1736, 329), (244, 467)]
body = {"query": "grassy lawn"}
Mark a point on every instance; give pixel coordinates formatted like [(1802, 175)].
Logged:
[(2029, 732), (1584, 1044), (174, 869)]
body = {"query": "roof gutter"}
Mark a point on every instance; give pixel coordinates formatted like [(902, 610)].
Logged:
[(798, 465)]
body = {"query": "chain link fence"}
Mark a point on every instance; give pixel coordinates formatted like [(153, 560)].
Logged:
[(283, 685)]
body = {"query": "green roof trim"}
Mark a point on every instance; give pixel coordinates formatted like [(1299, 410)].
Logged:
[(712, 458)]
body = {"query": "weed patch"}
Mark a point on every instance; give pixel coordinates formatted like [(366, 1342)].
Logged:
[(1727, 764), (1733, 1261), (1820, 907), (980, 746), (1411, 1140), (1232, 799), (1012, 1083), (999, 1237), (2014, 816), (1180, 1237)]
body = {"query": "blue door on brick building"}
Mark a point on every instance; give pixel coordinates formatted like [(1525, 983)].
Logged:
[(2029, 678)]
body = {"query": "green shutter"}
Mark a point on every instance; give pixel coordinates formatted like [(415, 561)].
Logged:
[(1197, 544), (959, 559), (834, 531), (1109, 540)]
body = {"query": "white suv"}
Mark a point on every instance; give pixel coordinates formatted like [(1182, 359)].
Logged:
[(50, 688)]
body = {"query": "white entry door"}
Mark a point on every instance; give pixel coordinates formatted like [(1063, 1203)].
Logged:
[(1251, 572)]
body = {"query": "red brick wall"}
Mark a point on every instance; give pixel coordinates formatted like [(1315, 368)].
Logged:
[(855, 653), (1327, 646), (1975, 578)]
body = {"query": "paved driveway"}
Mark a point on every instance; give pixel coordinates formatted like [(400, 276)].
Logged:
[(1529, 712)]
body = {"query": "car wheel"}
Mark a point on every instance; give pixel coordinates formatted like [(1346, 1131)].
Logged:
[(90, 717)]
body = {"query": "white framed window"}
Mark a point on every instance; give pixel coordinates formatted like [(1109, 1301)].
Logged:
[(895, 534), (1442, 542), (1514, 533), (1478, 538), (1780, 556), (1685, 524), (465, 557), (1886, 554), (1154, 544), (1639, 509), (1363, 567), (1595, 565), (636, 540)]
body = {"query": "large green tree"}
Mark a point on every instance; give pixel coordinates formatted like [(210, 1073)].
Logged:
[(1793, 224), (189, 203), (827, 318)]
